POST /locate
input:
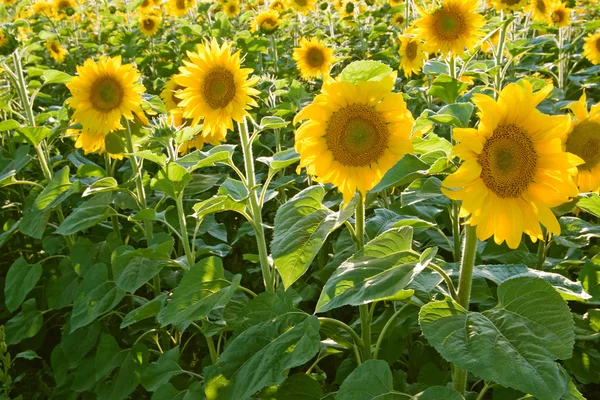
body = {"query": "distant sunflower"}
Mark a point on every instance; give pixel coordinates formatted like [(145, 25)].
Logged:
[(63, 5), (147, 4), (266, 22), (394, 3), (231, 8), (179, 8), (103, 92), (278, 5), (57, 52), (510, 5), (4, 39), (560, 15), (413, 55), (149, 23), (168, 94), (42, 8), (583, 140), (353, 134), (398, 19), (591, 48), (514, 169), (540, 10), (452, 27), (217, 91), (303, 6), (313, 58)]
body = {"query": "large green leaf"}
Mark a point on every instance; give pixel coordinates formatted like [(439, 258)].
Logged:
[(129, 375), (171, 180), (590, 204), (382, 269), (202, 289), (364, 71), (302, 225), (261, 356), (159, 372), (514, 344), (370, 380), (25, 324), (150, 309), (55, 192), (200, 159), (299, 387), (88, 214), (20, 279)]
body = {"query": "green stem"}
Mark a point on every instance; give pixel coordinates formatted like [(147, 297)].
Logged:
[(387, 326), (541, 253), (459, 379), (184, 233), (114, 219), (500, 54), (456, 230), (255, 208), (352, 332), (365, 318), (483, 390)]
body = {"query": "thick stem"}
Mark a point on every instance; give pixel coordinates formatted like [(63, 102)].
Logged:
[(365, 317), (255, 208), (184, 233), (455, 217)]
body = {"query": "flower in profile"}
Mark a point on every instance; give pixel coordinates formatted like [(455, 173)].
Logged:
[(168, 94), (57, 52), (509, 5), (303, 6), (103, 93), (583, 140), (313, 58), (266, 22), (179, 8), (231, 8), (560, 15), (149, 23), (217, 91), (412, 55), (591, 48), (353, 134), (540, 10), (515, 169)]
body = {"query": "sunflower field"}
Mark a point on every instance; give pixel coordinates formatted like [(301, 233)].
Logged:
[(300, 199)]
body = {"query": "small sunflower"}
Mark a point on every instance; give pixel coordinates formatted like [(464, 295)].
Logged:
[(583, 140), (560, 15), (149, 23), (313, 58), (394, 3), (4, 39), (179, 8), (303, 6), (540, 10), (452, 27), (278, 5), (510, 5), (64, 5), (57, 52), (42, 8), (231, 8), (591, 48), (353, 134), (515, 169), (149, 4), (103, 92), (266, 22), (413, 55), (168, 94), (216, 90), (398, 19)]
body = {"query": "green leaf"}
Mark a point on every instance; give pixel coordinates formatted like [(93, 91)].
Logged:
[(34, 135), (273, 123), (217, 204), (27, 355), (130, 373), (25, 324), (280, 160), (405, 171), (370, 380), (54, 76), (150, 309), (439, 393), (514, 344), (108, 356), (234, 189), (8, 125), (171, 180), (157, 158), (106, 184), (384, 267), (201, 159), (302, 225), (590, 204), (86, 215), (159, 372), (261, 355), (55, 192), (20, 279), (202, 289), (299, 387), (447, 88), (457, 115), (593, 315), (364, 71)]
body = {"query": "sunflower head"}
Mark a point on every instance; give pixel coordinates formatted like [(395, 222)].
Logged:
[(64, 5), (303, 6), (560, 15), (591, 48), (8, 42), (394, 3), (278, 5), (231, 8), (217, 91), (179, 8), (398, 19), (57, 52), (313, 58), (42, 8), (168, 94), (413, 55), (353, 133), (515, 168), (540, 10), (149, 23), (583, 140), (266, 22), (510, 5)]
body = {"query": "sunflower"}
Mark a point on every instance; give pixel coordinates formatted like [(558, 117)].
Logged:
[(353, 134), (179, 8), (591, 48), (451, 27), (278, 5), (103, 92), (64, 5), (57, 52), (149, 23), (540, 10), (514, 166), (4, 39), (42, 8), (560, 15), (583, 140), (266, 22), (168, 94), (231, 8), (8, 2), (197, 142), (394, 3), (313, 58), (216, 89), (303, 6), (148, 4), (398, 19), (509, 5), (413, 55), (91, 142)]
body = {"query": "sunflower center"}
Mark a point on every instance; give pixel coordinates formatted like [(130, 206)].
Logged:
[(357, 135), (314, 57), (411, 50), (180, 4), (232, 8), (448, 25), (63, 5), (598, 44), (508, 161), (510, 2), (301, 3), (268, 24), (148, 24), (54, 47), (541, 6), (219, 88), (106, 94), (399, 19), (584, 142), (145, 3), (558, 16)]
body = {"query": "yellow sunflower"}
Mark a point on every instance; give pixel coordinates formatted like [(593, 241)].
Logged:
[(42, 8), (313, 58), (4, 39), (63, 5), (540, 10), (266, 22), (179, 8), (560, 15), (515, 168), (353, 134), (8, 2), (303, 6), (149, 23), (216, 90), (398, 19), (168, 94), (91, 142), (103, 92), (510, 5), (394, 3), (591, 48), (57, 52), (413, 55), (148, 4), (583, 140), (197, 142), (452, 27), (278, 5), (231, 8)]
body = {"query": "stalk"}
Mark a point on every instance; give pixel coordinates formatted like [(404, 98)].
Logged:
[(499, 56), (184, 233), (365, 316)]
